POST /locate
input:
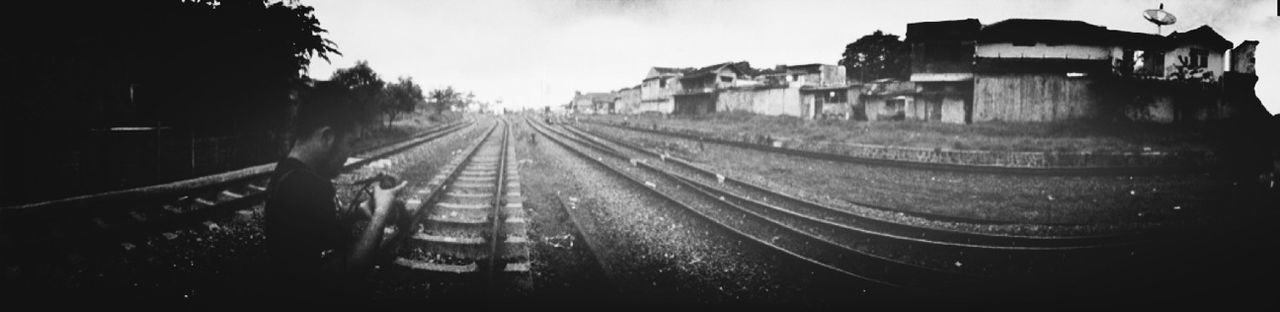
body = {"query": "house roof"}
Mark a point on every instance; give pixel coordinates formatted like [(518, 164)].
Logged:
[(671, 70), (1203, 35), (966, 29), (1044, 31), (811, 68), (742, 68), (595, 96), (1137, 40)]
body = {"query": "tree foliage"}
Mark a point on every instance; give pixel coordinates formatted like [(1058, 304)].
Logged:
[(444, 99), (193, 69), (402, 97), (876, 56), (366, 88)]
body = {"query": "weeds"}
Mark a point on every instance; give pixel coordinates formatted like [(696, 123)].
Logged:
[(1062, 136)]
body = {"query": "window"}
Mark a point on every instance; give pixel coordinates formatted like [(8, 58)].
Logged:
[(662, 82), (726, 79), (1199, 58), (895, 104), (833, 97)]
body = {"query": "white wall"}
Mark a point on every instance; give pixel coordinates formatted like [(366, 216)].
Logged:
[(665, 106), (1216, 63), (1071, 51), (952, 110), (764, 101)]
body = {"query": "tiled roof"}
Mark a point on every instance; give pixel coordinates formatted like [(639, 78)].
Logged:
[(742, 68), (1044, 31), (1201, 35), (944, 30)]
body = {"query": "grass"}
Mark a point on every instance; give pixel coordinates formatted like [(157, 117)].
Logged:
[(1065, 136), (404, 127), (1022, 199)]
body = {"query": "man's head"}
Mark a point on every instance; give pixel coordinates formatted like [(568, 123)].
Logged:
[(324, 127)]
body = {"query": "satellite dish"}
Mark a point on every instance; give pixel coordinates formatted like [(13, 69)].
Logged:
[(1160, 17)]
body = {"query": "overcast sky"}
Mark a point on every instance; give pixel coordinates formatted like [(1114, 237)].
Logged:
[(537, 53)]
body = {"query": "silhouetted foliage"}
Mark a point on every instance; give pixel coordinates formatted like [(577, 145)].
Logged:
[(186, 70), (876, 56), (366, 88)]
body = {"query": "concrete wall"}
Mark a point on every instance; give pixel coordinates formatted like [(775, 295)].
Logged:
[(1216, 64), (628, 101), (1160, 110), (1242, 57), (764, 101), (651, 90), (877, 108), (695, 104), (952, 110), (1162, 107), (1032, 97), (1069, 51), (661, 106)]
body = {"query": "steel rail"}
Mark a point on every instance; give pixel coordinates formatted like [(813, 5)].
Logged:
[(710, 192), (146, 205), (1007, 282), (495, 212), (931, 166), (1017, 282), (869, 260), (195, 185), (446, 228), (435, 190), (822, 214)]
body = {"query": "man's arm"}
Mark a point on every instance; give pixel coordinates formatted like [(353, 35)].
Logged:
[(360, 255)]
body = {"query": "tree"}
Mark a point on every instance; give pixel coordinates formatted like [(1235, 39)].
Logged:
[(366, 88), (466, 100), (444, 99), (876, 56), (403, 97), (196, 69)]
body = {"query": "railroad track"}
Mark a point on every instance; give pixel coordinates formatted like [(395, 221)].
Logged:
[(918, 165), (472, 223), (918, 258), (751, 194), (92, 220)]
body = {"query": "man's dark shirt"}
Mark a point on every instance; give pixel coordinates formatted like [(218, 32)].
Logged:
[(302, 224)]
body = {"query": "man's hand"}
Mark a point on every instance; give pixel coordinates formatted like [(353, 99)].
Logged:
[(382, 198)]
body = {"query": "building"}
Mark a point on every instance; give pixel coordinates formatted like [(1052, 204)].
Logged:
[(1048, 70), (1038, 70), (1242, 58), (700, 88), (593, 103), (942, 70), (888, 99), (628, 101), (824, 90), (657, 88)]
